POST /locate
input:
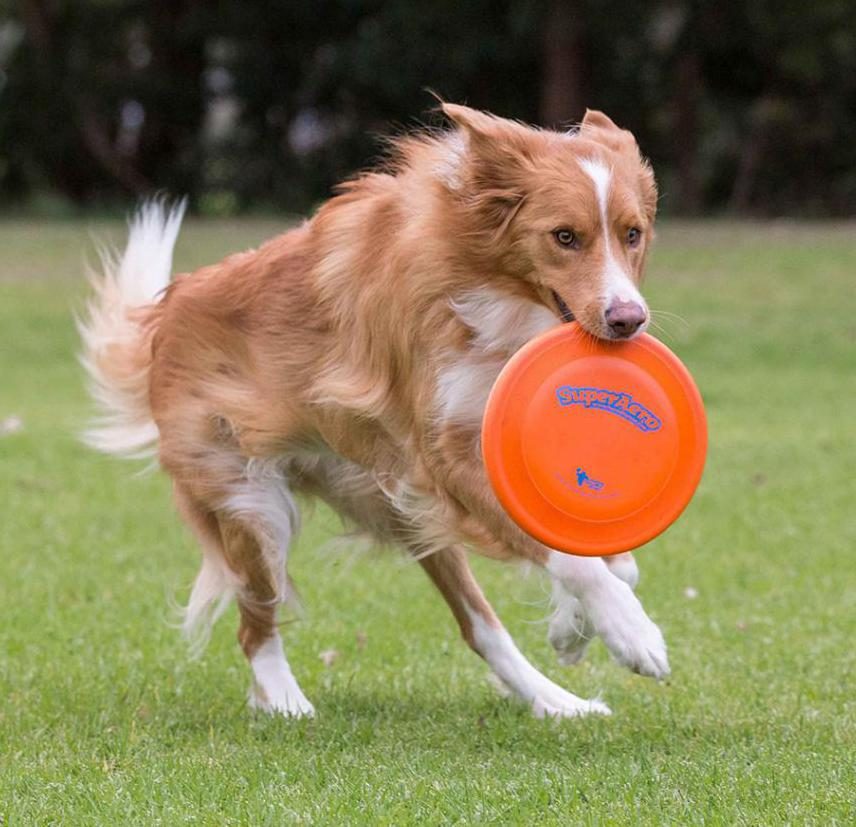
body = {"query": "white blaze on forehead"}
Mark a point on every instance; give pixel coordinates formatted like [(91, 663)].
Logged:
[(601, 175), (618, 286)]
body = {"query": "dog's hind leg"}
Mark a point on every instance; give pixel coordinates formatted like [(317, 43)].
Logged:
[(274, 689), (245, 543), (449, 569), (216, 584)]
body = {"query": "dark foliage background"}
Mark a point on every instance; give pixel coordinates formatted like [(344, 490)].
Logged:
[(748, 107)]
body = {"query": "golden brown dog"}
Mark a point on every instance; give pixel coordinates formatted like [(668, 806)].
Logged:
[(350, 359)]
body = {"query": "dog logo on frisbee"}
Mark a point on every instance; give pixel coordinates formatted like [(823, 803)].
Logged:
[(582, 485), (584, 480), (614, 402)]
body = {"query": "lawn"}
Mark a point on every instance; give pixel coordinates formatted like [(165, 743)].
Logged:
[(104, 720)]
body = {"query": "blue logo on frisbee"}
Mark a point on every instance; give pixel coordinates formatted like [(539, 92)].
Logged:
[(583, 479), (614, 402)]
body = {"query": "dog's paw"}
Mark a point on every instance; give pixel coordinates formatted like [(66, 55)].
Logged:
[(570, 631), (557, 703), (631, 636), (290, 703)]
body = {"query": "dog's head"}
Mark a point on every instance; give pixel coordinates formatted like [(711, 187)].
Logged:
[(570, 215)]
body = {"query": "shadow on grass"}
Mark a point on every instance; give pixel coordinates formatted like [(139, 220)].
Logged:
[(465, 727)]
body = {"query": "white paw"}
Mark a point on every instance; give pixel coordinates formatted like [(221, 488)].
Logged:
[(570, 631), (557, 703), (290, 703), (631, 636)]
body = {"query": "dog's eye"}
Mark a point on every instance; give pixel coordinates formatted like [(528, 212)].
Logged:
[(567, 238), (634, 236)]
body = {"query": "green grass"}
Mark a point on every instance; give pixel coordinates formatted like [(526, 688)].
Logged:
[(103, 719)]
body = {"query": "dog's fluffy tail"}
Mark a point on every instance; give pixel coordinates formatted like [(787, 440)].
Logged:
[(116, 332)]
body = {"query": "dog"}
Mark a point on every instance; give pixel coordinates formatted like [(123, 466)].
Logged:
[(350, 359)]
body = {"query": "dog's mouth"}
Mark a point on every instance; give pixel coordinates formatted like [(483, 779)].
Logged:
[(564, 310)]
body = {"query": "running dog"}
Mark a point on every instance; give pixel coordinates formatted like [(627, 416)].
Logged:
[(350, 359)]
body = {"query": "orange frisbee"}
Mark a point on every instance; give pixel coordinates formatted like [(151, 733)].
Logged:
[(594, 447)]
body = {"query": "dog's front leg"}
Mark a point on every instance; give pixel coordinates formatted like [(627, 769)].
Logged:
[(611, 610), (449, 569), (571, 630), (606, 600)]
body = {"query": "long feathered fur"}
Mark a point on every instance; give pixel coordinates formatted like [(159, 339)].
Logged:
[(116, 354), (114, 335)]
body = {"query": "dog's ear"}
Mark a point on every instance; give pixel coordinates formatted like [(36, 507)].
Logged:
[(497, 156), (648, 186), (471, 120), (601, 128), (474, 121), (489, 136), (596, 118)]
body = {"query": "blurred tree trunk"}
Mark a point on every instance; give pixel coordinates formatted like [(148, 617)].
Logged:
[(566, 71), (169, 145), (39, 26), (64, 166), (752, 152), (90, 138), (687, 101)]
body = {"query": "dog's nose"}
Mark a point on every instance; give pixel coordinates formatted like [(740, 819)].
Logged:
[(625, 318)]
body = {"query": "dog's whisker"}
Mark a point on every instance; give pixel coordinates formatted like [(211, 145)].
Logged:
[(670, 316), (662, 331)]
